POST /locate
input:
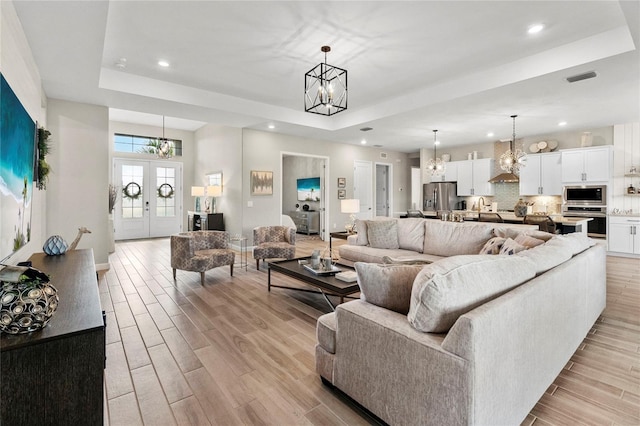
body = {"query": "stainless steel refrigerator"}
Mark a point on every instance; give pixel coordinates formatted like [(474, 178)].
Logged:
[(439, 196)]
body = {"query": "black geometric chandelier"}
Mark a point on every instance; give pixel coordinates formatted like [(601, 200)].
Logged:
[(325, 88)]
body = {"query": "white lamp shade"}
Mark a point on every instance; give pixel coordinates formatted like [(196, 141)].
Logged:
[(197, 191), (214, 191), (349, 206)]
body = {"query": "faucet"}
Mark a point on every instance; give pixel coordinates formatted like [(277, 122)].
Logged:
[(480, 208)]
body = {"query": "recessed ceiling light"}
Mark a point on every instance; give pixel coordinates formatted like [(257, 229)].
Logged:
[(534, 29), (163, 63), (490, 134), (271, 126), (562, 123), (363, 142)]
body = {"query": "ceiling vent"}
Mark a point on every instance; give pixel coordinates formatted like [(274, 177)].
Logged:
[(579, 77), (366, 129)]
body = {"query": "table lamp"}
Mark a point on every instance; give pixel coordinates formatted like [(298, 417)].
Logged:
[(197, 191), (351, 206), (212, 191)]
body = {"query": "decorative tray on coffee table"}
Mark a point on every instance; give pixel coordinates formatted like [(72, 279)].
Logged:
[(321, 271)]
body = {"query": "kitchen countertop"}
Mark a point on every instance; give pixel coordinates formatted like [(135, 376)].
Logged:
[(512, 218)]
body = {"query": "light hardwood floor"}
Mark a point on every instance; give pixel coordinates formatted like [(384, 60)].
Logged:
[(229, 352)]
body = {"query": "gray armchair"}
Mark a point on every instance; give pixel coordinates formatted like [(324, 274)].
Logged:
[(272, 242), (200, 251)]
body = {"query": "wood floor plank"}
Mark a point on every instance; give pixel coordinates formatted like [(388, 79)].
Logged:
[(151, 399), (213, 401), (188, 412), (194, 338), (182, 353), (173, 382), (134, 347), (123, 411), (148, 330), (116, 374)]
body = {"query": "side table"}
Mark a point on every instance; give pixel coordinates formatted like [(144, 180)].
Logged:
[(340, 235), (242, 243)]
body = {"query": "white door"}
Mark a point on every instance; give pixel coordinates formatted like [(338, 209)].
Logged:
[(363, 187), (150, 203), (382, 190)]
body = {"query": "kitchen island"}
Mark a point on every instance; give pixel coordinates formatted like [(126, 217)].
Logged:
[(568, 224)]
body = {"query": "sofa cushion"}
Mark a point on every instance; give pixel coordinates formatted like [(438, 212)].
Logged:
[(326, 332), (452, 238), (383, 234), (446, 289), (575, 242), (387, 286), (493, 246), (510, 247), (375, 255), (411, 234), (407, 260)]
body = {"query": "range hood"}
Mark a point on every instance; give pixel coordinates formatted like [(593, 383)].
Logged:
[(505, 178)]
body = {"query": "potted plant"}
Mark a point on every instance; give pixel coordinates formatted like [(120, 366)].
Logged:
[(27, 300), (42, 165)]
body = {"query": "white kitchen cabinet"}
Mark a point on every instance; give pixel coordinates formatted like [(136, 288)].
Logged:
[(624, 234), (473, 177), (450, 173), (542, 175), (586, 164)]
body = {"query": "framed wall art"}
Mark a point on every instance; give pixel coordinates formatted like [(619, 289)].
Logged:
[(261, 183), (342, 182), (342, 194)]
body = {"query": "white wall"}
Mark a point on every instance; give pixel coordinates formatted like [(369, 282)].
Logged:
[(263, 151), (219, 149), (77, 192), (20, 71)]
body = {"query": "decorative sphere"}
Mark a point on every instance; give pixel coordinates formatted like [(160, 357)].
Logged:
[(55, 245)]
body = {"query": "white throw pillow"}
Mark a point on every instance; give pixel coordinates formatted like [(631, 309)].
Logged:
[(493, 246), (510, 247)]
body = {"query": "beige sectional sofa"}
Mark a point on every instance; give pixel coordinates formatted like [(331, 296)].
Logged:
[(420, 239), (467, 339)]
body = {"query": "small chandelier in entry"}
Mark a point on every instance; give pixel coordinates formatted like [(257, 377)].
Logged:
[(435, 165), (164, 148), (514, 159), (325, 88)]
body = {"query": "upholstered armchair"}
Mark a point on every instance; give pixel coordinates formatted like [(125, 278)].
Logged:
[(199, 251), (272, 242)]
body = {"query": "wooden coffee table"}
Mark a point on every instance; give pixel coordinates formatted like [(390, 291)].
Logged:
[(327, 285)]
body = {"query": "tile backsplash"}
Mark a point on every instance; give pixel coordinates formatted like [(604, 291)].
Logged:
[(506, 195)]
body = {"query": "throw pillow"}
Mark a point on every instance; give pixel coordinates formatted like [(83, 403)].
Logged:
[(493, 246), (387, 286), (506, 233), (383, 234), (541, 235), (361, 229), (510, 247), (454, 286), (528, 241)]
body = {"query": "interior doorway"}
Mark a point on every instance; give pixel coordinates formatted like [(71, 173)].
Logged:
[(305, 190), (150, 202)]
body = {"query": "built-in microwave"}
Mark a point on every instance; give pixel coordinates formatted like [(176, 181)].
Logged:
[(583, 195)]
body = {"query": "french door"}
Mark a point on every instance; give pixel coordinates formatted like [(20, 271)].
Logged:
[(150, 202)]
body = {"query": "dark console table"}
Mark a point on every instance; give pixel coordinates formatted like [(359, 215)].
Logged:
[(55, 375)]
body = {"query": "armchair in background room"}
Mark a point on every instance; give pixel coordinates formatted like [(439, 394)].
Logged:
[(271, 242), (199, 251)]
